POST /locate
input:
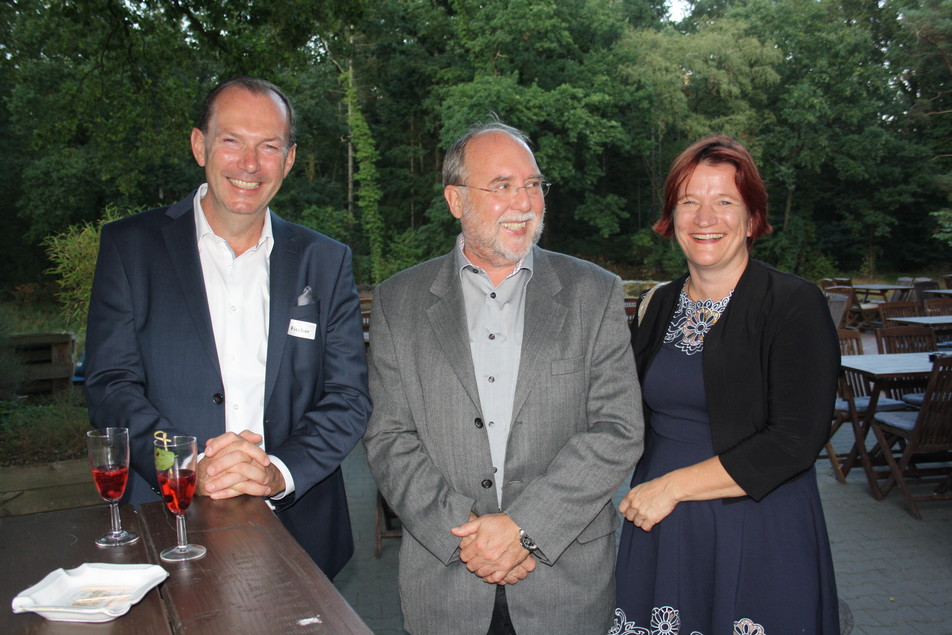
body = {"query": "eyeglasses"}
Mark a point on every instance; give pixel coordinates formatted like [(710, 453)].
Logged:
[(535, 187)]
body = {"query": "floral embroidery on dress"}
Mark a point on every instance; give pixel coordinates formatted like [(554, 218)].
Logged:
[(666, 620), (693, 320)]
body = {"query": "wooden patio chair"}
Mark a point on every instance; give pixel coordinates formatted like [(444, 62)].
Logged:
[(905, 339), (923, 439), (937, 306), (843, 282), (947, 278), (921, 285), (859, 314), (839, 305), (902, 295), (386, 525), (850, 344), (631, 308), (889, 310), (826, 283), (852, 402), (365, 324)]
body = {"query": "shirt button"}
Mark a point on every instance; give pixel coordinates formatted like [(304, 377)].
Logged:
[(492, 380), (493, 295), (234, 309), (494, 469), (235, 407), (486, 483), (217, 398), (492, 336), (475, 270), (478, 422)]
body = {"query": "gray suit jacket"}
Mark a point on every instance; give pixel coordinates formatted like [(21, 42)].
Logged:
[(576, 434)]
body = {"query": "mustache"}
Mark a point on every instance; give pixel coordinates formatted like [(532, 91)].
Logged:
[(517, 218)]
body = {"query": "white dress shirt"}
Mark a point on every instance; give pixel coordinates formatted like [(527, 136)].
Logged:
[(238, 291)]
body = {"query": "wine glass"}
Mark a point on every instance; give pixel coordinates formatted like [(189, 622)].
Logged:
[(109, 460), (175, 461)]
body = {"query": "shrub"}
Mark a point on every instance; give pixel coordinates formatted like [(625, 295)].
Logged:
[(73, 254)]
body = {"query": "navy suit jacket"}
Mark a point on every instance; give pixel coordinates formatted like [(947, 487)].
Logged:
[(153, 364)]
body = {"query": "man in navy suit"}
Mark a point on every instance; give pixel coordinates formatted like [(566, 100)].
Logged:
[(214, 317)]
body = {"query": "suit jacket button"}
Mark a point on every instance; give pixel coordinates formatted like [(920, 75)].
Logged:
[(486, 483), (478, 422), (218, 398)]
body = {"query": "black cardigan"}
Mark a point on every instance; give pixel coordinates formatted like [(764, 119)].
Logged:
[(770, 370)]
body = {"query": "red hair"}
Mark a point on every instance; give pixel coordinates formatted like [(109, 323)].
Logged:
[(718, 149)]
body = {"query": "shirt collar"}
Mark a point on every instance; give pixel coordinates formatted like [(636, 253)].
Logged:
[(462, 262), (202, 228)]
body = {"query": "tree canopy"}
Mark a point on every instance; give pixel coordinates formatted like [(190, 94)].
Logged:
[(846, 105)]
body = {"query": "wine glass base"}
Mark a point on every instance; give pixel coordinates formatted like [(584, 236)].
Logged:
[(117, 538), (186, 552)]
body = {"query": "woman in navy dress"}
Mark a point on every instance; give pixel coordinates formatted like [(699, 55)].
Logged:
[(738, 363)]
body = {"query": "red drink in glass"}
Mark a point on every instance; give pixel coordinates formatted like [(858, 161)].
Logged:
[(111, 481), (177, 491)]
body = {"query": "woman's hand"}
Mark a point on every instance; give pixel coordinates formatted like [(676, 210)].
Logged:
[(649, 503)]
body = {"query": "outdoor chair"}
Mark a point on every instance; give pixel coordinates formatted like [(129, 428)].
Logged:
[(937, 306), (948, 281), (923, 439), (839, 305), (386, 525), (859, 314), (905, 339), (826, 283), (889, 310), (902, 295), (631, 308), (850, 344), (921, 286), (852, 402), (843, 282)]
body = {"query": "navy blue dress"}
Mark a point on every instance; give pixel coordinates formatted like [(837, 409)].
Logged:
[(724, 566)]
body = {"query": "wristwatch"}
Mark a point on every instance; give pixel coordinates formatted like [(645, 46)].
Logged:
[(527, 543)]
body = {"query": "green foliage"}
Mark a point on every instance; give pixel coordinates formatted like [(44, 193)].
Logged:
[(73, 254), (44, 430), (845, 106), (944, 218), (793, 249), (662, 257), (366, 178)]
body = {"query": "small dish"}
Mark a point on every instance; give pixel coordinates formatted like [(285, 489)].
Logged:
[(92, 592)]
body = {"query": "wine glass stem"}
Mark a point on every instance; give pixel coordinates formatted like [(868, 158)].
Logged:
[(114, 515), (180, 531)]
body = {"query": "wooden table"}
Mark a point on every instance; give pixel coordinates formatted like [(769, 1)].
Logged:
[(32, 546), (255, 578), (935, 321), (878, 290), (885, 372), (941, 324)]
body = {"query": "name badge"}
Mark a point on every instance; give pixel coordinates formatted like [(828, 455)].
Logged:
[(306, 330)]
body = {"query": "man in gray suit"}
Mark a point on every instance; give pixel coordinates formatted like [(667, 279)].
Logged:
[(507, 412)]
